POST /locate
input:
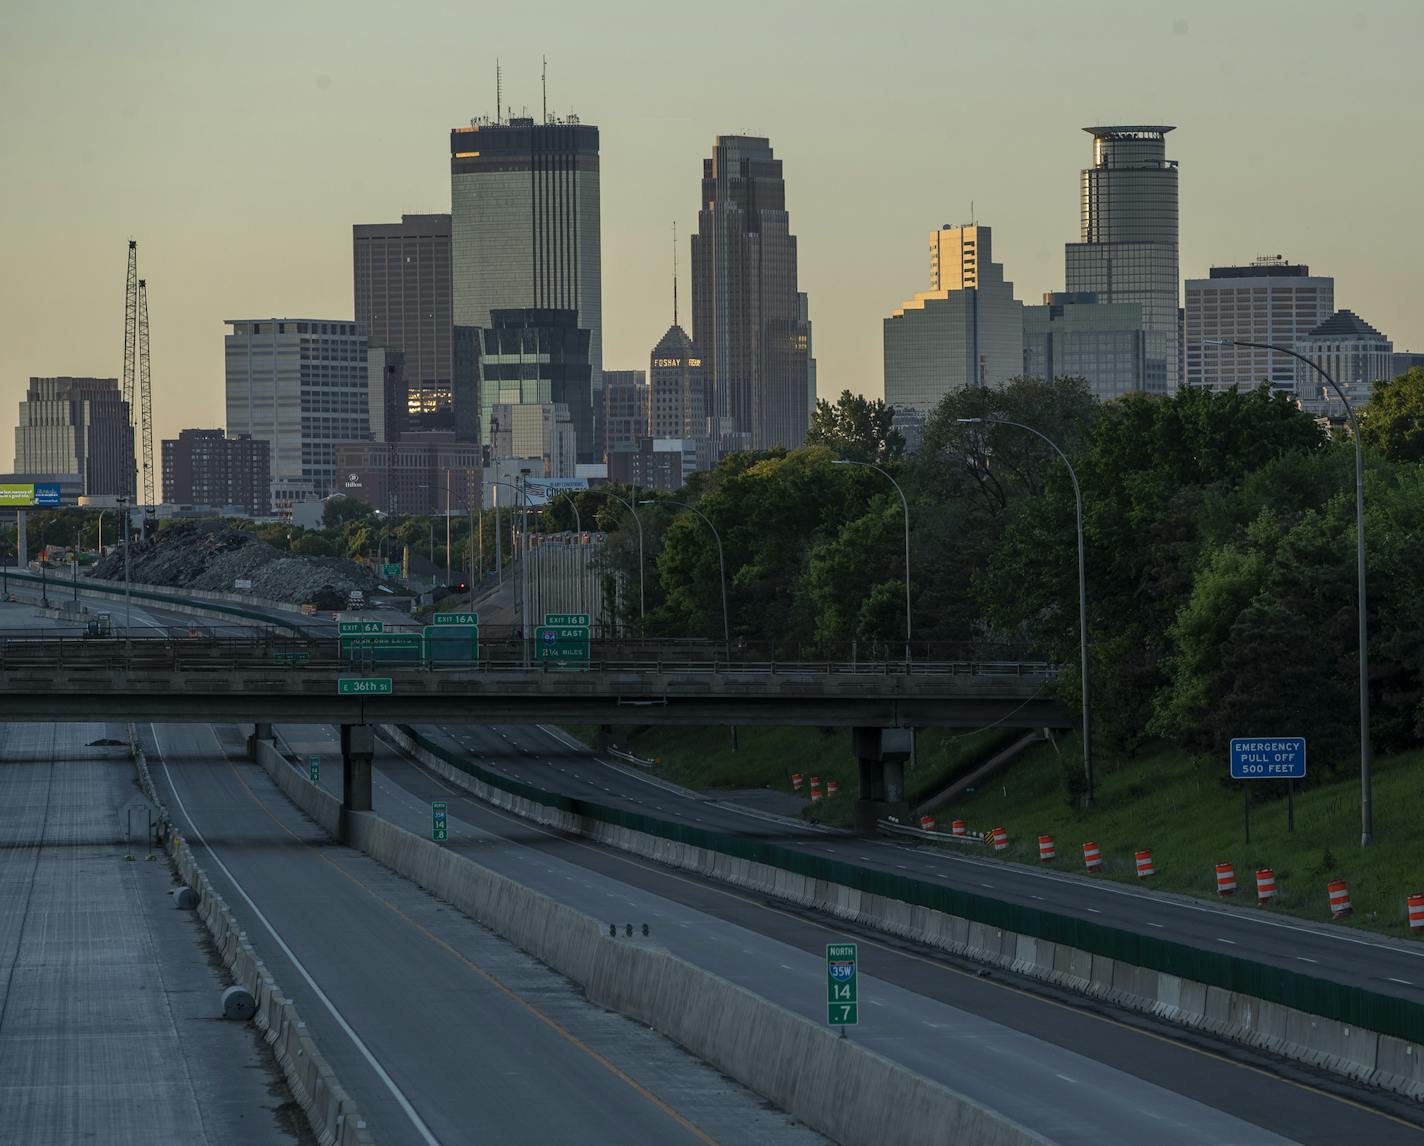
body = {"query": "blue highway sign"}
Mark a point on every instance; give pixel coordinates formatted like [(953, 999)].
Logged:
[(1268, 758)]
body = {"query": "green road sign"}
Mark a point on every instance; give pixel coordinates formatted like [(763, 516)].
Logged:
[(452, 643), (314, 769), (577, 620), (385, 646), (842, 985), (364, 686), (291, 658), (561, 643), (465, 619), (351, 628), (391, 570), (437, 820)]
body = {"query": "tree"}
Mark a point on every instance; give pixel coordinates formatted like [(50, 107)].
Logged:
[(340, 509), (856, 428), (1393, 421)]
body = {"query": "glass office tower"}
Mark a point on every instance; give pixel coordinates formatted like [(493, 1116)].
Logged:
[(1128, 247)]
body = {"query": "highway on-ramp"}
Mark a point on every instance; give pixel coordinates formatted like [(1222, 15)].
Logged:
[(1074, 1072)]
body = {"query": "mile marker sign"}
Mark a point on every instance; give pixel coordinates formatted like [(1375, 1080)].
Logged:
[(842, 985), (1268, 758)]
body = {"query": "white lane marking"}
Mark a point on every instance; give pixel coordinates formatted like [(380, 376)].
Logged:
[(1304, 959), (1219, 939), (1240, 915), (988, 885), (415, 1119), (1094, 910), (1037, 897), (1158, 925), (1402, 982)]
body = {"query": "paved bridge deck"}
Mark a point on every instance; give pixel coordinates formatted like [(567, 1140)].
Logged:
[(295, 681)]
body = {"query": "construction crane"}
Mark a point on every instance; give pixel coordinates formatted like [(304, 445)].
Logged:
[(137, 368)]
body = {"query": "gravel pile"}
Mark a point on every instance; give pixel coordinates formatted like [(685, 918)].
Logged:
[(210, 555)]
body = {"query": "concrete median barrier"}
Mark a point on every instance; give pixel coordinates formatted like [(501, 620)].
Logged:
[(1342, 1047)]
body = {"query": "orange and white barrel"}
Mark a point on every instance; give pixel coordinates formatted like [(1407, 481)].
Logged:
[(1225, 879), (1046, 853), (1144, 865), (958, 827), (1000, 838), (815, 795), (815, 782), (832, 787), (1265, 885), (1092, 857), (1339, 898), (796, 780), (1416, 912), (927, 823)]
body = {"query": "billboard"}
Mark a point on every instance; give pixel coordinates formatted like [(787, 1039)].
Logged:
[(27, 494)]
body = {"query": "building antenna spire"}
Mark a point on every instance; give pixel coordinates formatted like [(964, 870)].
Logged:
[(498, 94), (544, 83), (674, 272)]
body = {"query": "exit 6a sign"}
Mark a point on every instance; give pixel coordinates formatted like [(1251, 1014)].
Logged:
[(842, 985)]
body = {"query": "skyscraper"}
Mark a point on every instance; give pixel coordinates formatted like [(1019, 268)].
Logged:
[(77, 426), (1128, 246), (676, 396), (967, 330), (532, 356), (1352, 352), (401, 274), (625, 407), (746, 317), (206, 467), (1103, 343), (524, 200), (1269, 301), (301, 386)]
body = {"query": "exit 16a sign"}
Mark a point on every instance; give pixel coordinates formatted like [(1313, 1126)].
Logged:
[(842, 985)]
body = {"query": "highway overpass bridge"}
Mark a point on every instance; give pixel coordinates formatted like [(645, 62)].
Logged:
[(270, 679)]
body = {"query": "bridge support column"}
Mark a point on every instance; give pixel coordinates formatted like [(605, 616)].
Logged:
[(881, 753), (259, 732), (358, 746)]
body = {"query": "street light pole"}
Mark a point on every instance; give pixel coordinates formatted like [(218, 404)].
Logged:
[(642, 599), (524, 563), (1366, 749), (905, 505), (721, 565), (1082, 592)]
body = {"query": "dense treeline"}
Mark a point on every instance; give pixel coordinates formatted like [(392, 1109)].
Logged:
[(1220, 554)]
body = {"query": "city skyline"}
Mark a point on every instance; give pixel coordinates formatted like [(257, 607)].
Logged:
[(271, 234)]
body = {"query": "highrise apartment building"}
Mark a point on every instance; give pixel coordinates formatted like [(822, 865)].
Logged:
[(1128, 246), (1269, 300), (206, 467), (404, 303), (301, 386), (967, 330), (747, 318), (534, 356), (77, 426), (525, 232), (625, 407), (1103, 343)]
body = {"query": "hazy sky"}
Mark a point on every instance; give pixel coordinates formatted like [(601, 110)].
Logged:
[(238, 143)]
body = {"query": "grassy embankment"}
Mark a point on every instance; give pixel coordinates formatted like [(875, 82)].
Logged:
[(1191, 821), (766, 757)]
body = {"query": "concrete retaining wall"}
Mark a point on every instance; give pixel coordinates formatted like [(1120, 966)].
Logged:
[(1363, 1055), (832, 1084), (330, 1110)]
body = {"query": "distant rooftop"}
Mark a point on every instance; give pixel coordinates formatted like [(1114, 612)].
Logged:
[(1129, 131), (1345, 324), (1263, 266)]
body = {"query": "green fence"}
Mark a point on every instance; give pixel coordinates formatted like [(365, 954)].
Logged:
[(1357, 1006)]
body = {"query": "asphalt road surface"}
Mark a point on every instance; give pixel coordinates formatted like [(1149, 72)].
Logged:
[(441, 1031), (1076, 1072)]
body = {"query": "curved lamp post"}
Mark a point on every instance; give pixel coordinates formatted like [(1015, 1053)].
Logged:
[(1082, 591), (721, 564), (905, 505), (1366, 750), (642, 606)]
